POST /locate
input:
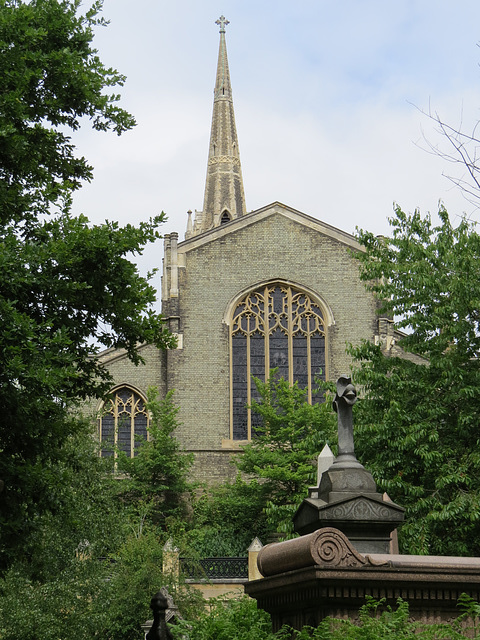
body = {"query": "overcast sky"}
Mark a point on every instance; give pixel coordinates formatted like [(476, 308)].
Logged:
[(326, 96)]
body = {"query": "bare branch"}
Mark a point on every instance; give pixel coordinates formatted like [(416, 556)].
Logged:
[(463, 149)]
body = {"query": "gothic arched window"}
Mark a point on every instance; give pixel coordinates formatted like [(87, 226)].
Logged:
[(123, 422), (225, 217), (275, 326)]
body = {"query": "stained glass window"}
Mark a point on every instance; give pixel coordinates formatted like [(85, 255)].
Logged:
[(123, 422), (277, 326)]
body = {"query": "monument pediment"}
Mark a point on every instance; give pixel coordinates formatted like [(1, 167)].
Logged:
[(361, 508)]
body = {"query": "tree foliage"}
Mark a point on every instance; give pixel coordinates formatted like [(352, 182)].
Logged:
[(274, 471), (235, 618), (157, 484), (67, 288), (417, 426), (91, 597), (51, 78), (283, 454), (134, 577), (226, 518), (240, 619), (96, 560), (66, 607)]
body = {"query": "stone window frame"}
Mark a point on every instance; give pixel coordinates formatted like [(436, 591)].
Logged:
[(328, 321), (225, 217), (137, 401)]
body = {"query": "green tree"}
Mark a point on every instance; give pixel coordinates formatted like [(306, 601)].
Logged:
[(60, 583), (51, 77), (91, 597), (89, 520), (67, 288), (417, 425), (234, 618), (225, 520), (92, 569), (135, 577), (283, 454), (157, 482), (71, 606), (274, 471)]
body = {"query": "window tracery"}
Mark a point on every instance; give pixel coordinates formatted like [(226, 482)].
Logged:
[(276, 326), (123, 422)]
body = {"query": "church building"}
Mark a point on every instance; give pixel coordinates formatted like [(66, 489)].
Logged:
[(244, 292)]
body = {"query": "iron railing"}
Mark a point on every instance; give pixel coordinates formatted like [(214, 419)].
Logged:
[(215, 568)]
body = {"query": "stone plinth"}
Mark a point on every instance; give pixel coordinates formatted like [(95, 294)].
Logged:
[(331, 578), (366, 519)]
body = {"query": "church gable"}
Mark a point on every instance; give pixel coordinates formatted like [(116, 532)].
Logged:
[(272, 210), (277, 247)]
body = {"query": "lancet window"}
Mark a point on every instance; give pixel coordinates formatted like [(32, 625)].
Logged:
[(275, 326), (225, 217), (123, 422)]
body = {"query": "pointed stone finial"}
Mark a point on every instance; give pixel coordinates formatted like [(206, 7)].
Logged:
[(255, 545), (169, 547), (189, 231), (222, 23), (324, 462), (253, 550)]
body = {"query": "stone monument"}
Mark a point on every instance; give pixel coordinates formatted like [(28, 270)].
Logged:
[(346, 496), (343, 553)]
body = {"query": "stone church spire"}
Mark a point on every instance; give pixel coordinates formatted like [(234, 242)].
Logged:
[(224, 196)]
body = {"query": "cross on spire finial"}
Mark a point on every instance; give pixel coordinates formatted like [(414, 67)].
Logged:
[(222, 23)]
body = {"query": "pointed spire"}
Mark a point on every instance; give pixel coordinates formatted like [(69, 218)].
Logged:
[(224, 196), (223, 88)]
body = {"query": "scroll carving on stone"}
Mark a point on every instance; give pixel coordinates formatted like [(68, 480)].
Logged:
[(331, 548)]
